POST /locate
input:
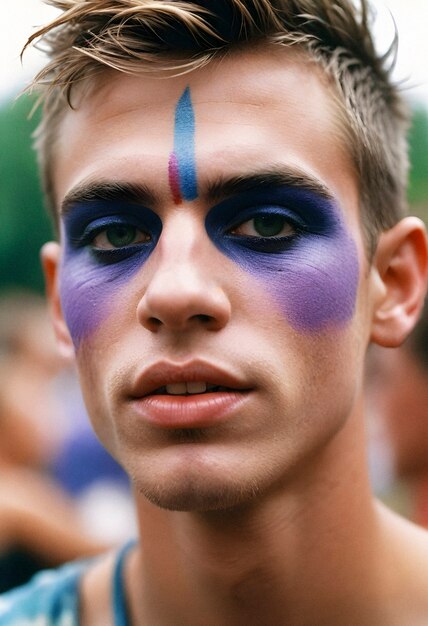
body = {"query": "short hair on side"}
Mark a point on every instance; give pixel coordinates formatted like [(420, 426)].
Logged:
[(158, 36)]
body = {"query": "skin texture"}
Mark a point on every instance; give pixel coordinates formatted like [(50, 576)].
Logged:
[(310, 268), (238, 303), (311, 273), (238, 515), (90, 279)]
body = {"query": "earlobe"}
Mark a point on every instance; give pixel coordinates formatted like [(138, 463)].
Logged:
[(400, 270), (50, 257)]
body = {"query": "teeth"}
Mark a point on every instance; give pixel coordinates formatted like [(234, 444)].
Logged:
[(177, 389), (196, 387), (180, 389)]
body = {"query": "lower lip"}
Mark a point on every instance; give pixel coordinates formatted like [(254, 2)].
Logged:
[(193, 411)]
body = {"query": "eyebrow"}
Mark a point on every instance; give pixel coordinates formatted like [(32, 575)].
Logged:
[(218, 189), (279, 176), (100, 190)]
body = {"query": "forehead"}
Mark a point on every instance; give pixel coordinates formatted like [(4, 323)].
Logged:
[(253, 110)]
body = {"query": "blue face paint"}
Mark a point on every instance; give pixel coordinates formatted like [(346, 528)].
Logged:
[(91, 276), (313, 273), (181, 165)]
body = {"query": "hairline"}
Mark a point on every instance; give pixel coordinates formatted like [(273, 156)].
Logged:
[(345, 133)]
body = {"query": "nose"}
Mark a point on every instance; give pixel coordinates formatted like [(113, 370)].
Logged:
[(184, 289)]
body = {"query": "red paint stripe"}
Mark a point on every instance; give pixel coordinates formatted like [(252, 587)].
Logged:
[(174, 178)]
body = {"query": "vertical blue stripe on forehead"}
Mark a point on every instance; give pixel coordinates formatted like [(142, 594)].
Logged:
[(184, 146)]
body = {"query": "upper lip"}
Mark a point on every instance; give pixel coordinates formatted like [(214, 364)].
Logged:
[(165, 372)]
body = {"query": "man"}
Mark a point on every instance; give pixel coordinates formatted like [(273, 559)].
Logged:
[(228, 180)]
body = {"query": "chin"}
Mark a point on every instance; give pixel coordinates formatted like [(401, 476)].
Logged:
[(198, 493), (198, 501)]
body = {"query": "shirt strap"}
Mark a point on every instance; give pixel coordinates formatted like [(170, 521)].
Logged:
[(120, 610)]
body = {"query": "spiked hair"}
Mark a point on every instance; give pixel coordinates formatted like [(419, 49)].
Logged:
[(164, 36)]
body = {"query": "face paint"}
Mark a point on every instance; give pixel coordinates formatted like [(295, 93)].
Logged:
[(105, 243), (312, 273), (181, 165)]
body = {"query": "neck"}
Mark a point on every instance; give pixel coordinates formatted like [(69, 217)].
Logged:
[(256, 564)]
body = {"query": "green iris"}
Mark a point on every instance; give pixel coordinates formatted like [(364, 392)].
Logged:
[(121, 235), (269, 225)]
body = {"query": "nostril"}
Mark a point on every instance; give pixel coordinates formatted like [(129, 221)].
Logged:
[(179, 307), (154, 321), (205, 319)]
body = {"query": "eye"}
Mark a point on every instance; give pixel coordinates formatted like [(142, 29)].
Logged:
[(269, 225), (119, 236)]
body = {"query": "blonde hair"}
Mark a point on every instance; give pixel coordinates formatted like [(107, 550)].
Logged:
[(164, 36)]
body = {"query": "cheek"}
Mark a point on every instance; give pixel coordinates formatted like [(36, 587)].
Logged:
[(90, 293), (317, 287), (315, 284)]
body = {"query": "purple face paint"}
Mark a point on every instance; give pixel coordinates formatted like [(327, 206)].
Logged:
[(312, 274), (181, 165), (91, 277)]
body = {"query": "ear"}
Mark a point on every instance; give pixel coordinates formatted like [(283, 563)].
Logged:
[(401, 276), (51, 256)]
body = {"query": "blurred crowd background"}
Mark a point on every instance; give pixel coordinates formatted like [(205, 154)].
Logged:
[(61, 495)]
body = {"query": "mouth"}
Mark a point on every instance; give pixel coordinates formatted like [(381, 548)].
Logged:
[(195, 394), (195, 377), (190, 389)]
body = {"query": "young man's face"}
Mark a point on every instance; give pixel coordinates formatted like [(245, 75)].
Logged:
[(212, 275)]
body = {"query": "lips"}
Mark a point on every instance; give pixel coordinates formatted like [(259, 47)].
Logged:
[(194, 394), (167, 376)]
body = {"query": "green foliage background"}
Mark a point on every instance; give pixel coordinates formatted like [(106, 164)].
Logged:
[(24, 222), (418, 140)]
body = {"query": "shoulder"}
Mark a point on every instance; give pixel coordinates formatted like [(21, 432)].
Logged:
[(49, 599)]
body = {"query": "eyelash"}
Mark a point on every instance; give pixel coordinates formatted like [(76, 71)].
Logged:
[(286, 222), (258, 243), (108, 256), (145, 236), (93, 230), (293, 221)]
